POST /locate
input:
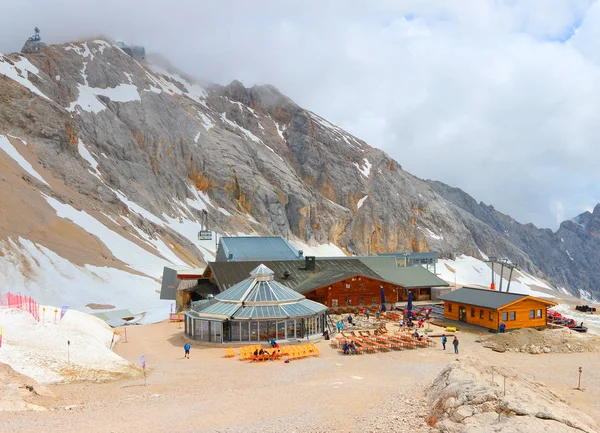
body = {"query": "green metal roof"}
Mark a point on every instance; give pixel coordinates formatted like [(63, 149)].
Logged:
[(292, 273), (481, 297), (412, 276)]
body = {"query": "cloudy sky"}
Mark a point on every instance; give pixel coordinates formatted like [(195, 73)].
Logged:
[(499, 98)]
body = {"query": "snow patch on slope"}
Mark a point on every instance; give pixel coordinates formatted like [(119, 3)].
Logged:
[(88, 101), (11, 151), (365, 170), (85, 154), (18, 72), (38, 350), (431, 234), (322, 250), (247, 133), (361, 201), (50, 278), (125, 250)]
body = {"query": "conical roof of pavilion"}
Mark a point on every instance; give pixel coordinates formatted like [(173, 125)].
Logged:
[(260, 288), (260, 297)]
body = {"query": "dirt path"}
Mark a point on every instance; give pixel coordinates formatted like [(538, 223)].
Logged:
[(329, 393)]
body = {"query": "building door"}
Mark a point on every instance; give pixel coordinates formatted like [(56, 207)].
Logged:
[(462, 313)]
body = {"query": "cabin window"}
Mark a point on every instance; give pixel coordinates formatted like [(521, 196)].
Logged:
[(505, 316), (348, 301), (532, 314), (472, 312), (449, 307), (361, 301), (334, 302), (481, 314), (513, 315), (491, 316), (347, 286), (539, 314), (374, 300)]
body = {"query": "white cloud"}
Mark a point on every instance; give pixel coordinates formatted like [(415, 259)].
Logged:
[(492, 96)]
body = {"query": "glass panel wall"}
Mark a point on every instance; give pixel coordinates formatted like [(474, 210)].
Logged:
[(298, 328), (215, 332), (290, 329), (281, 330), (244, 331), (254, 330)]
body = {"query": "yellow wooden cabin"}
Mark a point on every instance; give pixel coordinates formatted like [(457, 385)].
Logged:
[(489, 308)]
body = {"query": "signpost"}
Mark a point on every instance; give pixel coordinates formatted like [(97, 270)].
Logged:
[(144, 368), (68, 351), (578, 381), (55, 311)]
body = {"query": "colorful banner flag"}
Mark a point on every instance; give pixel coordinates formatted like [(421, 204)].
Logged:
[(143, 362), (63, 311)]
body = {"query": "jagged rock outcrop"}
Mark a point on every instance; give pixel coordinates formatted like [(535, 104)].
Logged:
[(568, 257), (463, 399), (264, 165)]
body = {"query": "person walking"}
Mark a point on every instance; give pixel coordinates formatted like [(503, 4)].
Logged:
[(367, 313), (444, 340), (186, 347), (339, 326), (455, 344)]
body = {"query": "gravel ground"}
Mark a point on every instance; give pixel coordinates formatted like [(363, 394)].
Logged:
[(331, 393)]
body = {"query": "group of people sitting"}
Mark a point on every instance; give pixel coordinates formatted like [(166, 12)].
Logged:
[(349, 348), (273, 355)]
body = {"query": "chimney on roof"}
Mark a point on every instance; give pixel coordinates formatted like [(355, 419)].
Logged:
[(300, 254), (309, 263), (286, 275), (230, 257)]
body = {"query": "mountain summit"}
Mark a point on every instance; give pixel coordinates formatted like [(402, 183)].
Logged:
[(113, 165)]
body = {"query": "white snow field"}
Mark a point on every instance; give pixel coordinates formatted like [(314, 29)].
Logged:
[(34, 270), (39, 350), (12, 151), (471, 271)]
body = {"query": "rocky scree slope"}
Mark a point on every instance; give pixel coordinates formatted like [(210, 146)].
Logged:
[(145, 150), (569, 257)]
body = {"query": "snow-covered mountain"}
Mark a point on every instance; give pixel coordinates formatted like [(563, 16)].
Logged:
[(108, 166)]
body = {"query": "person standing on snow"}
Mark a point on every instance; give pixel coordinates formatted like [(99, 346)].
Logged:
[(186, 347), (455, 344), (444, 340)]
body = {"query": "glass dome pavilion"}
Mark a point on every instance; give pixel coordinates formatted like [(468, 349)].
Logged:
[(256, 309)]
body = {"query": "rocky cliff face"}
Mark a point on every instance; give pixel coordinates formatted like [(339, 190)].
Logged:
[(144, 151), (569, 257)]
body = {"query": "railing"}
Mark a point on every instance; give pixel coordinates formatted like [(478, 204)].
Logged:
[(21, 302)]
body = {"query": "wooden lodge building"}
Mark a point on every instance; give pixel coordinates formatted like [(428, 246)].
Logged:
[(489, 308), (337, 282)]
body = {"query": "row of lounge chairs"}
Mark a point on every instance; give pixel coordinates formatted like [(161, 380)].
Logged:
[(366, 342), (288, 352)]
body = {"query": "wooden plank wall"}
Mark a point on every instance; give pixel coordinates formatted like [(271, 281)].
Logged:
[(522, 319), (522, 310), (367, 290)]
